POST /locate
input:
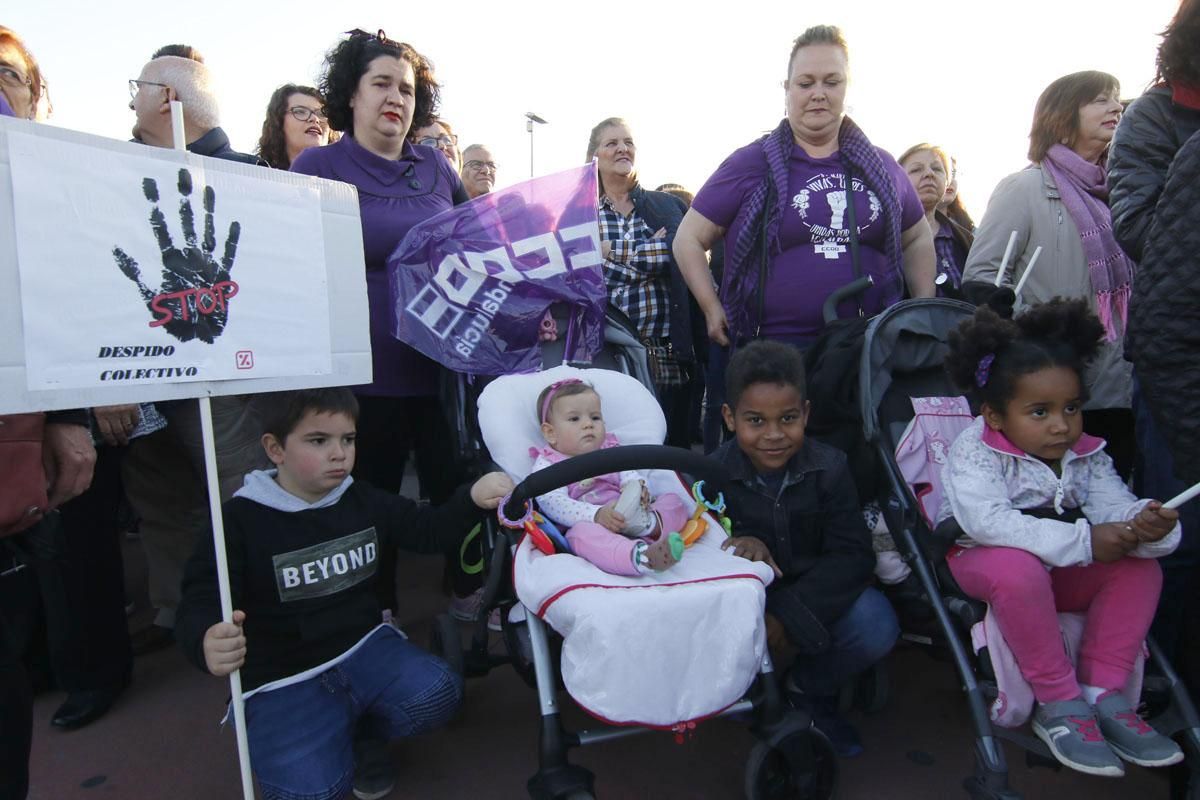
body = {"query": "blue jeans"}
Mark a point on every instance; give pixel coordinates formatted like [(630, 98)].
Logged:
[(301, 736), (863, 635)]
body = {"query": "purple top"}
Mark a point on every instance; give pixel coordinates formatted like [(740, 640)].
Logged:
[(392, 197), (5, 108), (815, 241)]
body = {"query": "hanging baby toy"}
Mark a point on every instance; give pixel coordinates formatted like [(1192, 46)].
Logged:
[(541, 531), (694, 528)]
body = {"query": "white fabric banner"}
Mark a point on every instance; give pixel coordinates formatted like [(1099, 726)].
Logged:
[(135, 270)]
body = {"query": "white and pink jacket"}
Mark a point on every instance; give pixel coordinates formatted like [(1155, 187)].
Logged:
[(579, 502), (988, 481)]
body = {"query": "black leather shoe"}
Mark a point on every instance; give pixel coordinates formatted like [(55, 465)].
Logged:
[(84, 707)]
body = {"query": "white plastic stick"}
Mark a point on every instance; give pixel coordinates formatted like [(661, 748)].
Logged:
[(218, 525), (1180, 499), (1028, 269), (178, 140), (1012, 242)]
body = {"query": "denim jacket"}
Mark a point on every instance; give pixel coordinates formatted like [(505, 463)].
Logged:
[(814, 528)]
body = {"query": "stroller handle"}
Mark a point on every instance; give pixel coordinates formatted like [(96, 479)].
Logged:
[(614, 459), (829, 307)]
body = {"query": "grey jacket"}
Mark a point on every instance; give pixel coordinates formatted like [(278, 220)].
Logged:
[(1028, 202)]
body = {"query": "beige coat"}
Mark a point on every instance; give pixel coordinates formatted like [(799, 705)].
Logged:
[(1028, 202)]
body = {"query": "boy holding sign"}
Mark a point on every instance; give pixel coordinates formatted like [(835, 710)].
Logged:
[(304, 543)]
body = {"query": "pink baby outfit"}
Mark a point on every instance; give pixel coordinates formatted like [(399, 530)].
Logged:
[(575, 506)]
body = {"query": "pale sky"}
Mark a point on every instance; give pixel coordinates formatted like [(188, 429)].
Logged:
[(694, 80)]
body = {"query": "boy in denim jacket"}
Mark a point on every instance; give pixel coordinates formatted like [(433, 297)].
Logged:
[(794, 506)]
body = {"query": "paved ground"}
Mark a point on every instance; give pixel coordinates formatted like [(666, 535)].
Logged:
[(162, 739)]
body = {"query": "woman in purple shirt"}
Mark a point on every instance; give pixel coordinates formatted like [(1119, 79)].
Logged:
[(781, 204), (375, 90)]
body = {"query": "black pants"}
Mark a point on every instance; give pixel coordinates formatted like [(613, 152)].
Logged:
[(20, 616), (1114, 426), (676, 406), (389, 428), (84, 588)]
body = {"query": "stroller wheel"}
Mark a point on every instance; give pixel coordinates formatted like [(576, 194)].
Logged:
[(802, 766), (446, 643)]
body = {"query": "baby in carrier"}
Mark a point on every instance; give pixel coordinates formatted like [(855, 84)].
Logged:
[(611, 520)]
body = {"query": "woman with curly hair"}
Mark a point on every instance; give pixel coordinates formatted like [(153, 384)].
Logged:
[(376, 90), (295, 122)]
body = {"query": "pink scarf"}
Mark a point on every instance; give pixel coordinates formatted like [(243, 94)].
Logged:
[(1084, 190)]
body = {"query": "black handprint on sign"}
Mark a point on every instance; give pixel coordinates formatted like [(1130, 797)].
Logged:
[(193, 300)]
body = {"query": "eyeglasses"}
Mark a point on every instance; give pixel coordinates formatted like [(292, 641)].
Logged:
[(10, 77), (306, 114), (481, 166), (438, 141), (135, 85)]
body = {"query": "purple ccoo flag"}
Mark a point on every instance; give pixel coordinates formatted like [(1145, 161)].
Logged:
[(471, 285)]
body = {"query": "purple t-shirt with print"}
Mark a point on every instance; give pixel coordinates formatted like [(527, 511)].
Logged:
[(814, 236)]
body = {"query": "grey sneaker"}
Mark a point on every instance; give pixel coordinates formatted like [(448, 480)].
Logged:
[(1131, 737), (1071, 731)]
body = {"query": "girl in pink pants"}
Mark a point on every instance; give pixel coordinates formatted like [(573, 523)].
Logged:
[(1049, 526), (610, 520)]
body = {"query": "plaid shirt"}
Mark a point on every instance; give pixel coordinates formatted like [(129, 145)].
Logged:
[(636, 270)]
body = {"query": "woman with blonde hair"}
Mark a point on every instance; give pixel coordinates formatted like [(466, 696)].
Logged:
[(930, 170), (22, 86), (637, 229)]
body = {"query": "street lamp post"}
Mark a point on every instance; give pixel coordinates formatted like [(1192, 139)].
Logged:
[(531, 118)]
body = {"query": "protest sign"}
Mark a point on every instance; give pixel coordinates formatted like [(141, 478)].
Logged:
[(149, 274), (133, 285), (472, 285)]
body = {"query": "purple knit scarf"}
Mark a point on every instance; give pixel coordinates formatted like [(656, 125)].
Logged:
[(739, 284), (1084, 191)]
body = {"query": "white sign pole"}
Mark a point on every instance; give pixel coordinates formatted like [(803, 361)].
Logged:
[(218, 526)]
